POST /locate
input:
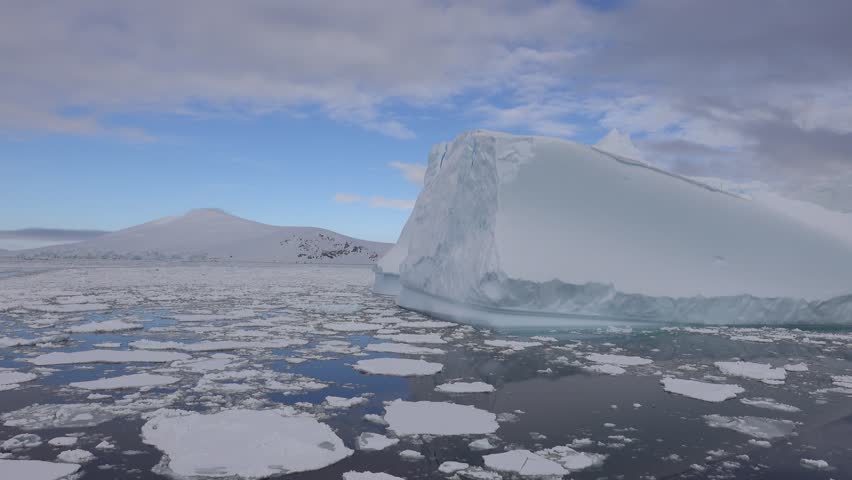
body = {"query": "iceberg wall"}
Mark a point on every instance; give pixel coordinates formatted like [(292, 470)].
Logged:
[(539, 231)]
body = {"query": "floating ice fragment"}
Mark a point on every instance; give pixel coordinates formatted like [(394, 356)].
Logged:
[(115, 325), (369, 476), (243, 443), (438, 418), (127, 381), (450, 468), (524, 463), (757, 427), (22, 441), (755, 371), (709, 392), (815, 464), (403, 348), (770, 404), (75, 456), (401, 367), (465, 387), (35, 470), (107, 356), (370, 442), (620, 360)]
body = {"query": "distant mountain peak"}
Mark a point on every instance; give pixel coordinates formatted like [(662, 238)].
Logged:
[(619, 143)]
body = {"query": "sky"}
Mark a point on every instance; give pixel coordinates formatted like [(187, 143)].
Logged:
[(322, 113)]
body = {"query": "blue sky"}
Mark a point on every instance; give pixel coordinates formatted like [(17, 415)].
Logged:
[(112, 114)]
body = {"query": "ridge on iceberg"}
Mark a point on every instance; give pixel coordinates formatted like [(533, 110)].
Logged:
[(538, 231)]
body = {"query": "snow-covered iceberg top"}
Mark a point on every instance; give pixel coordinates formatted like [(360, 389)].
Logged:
[(530, 229)]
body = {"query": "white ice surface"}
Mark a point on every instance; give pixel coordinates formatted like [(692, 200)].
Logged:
[(75, 456), (127, 381), (754, 371), (372, 442), (400, 367), (757, 427), (115, 325), (403, 348), (546, 230), (465, 387), (244, 443), (709, 392), (370, 476), (35, 470), (524, 463), (106, 356), (438, 418), (620, 360)]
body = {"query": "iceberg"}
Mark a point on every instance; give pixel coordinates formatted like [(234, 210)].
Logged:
[(541, 232)]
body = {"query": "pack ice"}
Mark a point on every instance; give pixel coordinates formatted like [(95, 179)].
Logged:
[(533, 230)]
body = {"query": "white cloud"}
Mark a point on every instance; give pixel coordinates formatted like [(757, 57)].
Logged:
[(341, 197), (413, 172)]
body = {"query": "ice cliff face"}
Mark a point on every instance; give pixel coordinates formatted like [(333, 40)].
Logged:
[(529, 229)]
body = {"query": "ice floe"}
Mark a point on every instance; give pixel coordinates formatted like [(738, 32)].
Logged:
[(449, 468), (757, 427), (403, 349), (107, 356), (115, 325), (465, 387), (620, 360), (368, 441), (369, 476), (69, 415), (754, 371), (401, 367), (770, 404), (21, 441), (709, 392), (524, 463), (127, 381), (243, 443), (75, 456), (36, 470), (438, 418)]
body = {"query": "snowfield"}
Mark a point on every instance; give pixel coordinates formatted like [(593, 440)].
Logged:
[(520, 230)]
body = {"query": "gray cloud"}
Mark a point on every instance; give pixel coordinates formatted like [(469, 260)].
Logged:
[(723, 87)]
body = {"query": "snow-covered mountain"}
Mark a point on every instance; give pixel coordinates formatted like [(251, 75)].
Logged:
[(212, 234), (513, 229)]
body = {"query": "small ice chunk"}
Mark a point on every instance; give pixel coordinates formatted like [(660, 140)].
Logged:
[(465, 387), (371, 442), (438, 418), (69, 415), (430, 338), (105, 445), (571, 459), (352, 326), (449, 468), (606, 368), (523, 462), (511, 344), (22, 441), (341, 402), (755, 371), (369, 476), (620, 360), (115, 325), (62, 441), (757, 427), (759, 443), (481, 444), (709, 392), (403, 348), (12, 377), (411, 455), (136, 380), (75, 456), (401, 367), (796, 367), (107, 356), (35, 470), (815, 464), (770, 404)]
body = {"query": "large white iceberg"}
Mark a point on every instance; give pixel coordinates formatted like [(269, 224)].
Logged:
[(532, 230)]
